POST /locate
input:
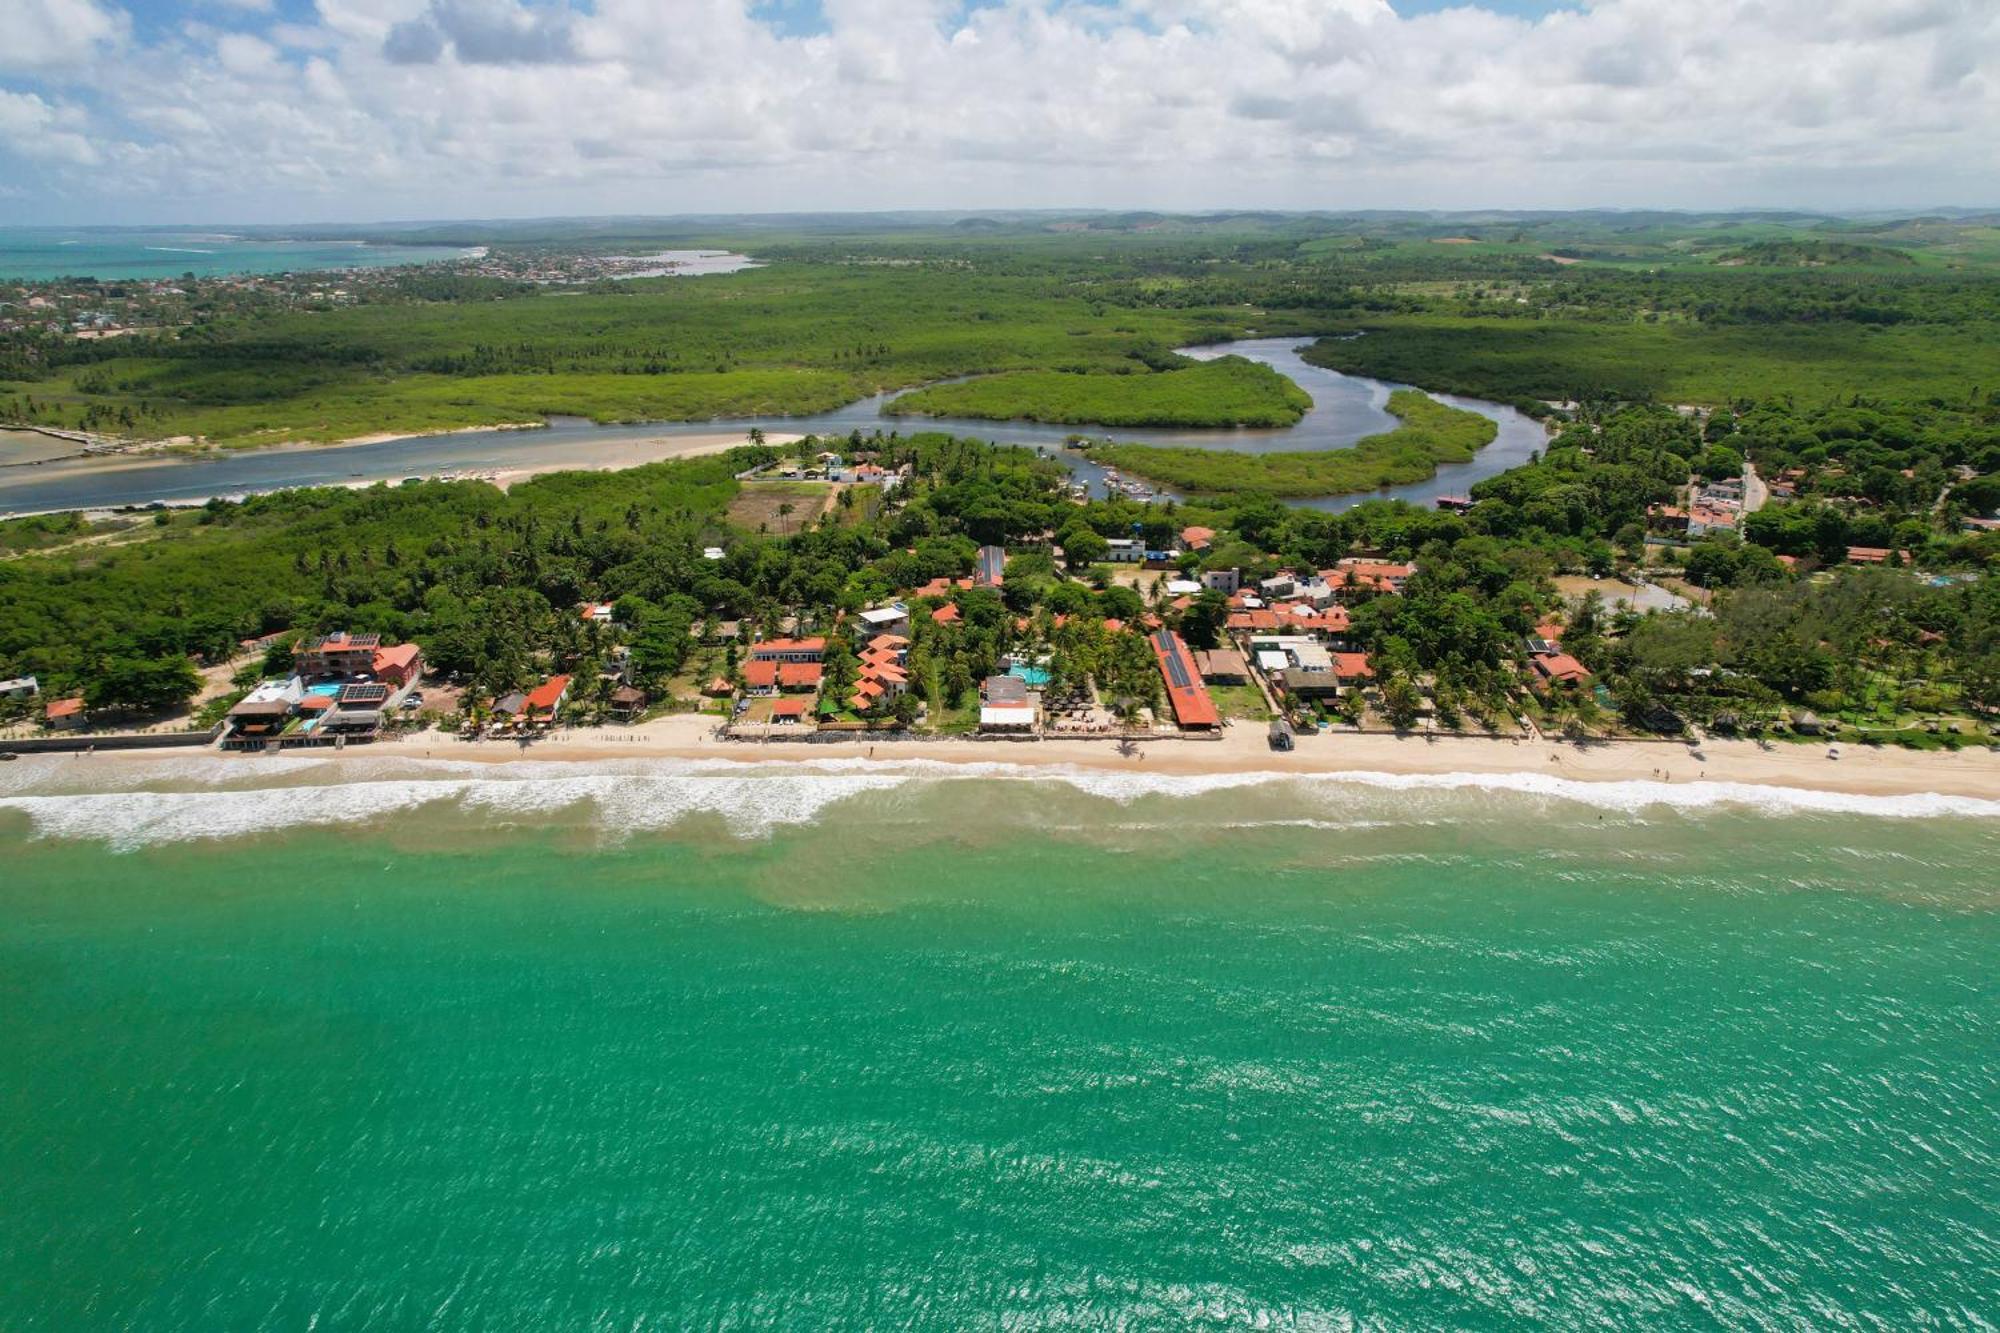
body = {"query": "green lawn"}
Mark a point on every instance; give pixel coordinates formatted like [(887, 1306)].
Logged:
[(1242, 703)]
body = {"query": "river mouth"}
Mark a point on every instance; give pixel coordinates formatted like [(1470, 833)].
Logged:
[(1345, 409)]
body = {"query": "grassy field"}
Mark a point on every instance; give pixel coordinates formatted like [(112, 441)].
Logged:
[(1667, 362), (1431, 433), (757, 503), (1229, 391), (1240, 703)]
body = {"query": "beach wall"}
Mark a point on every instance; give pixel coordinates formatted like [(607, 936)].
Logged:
[(132, 740)]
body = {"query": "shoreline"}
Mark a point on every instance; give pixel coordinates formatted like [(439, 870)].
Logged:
[(610, 456), (1242, 753)]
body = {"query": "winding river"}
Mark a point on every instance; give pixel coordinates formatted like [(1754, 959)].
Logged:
[(1345, 408)]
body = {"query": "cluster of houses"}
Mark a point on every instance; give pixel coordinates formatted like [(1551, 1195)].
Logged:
[(1706, 507), (830, 466), (64, 714), (1291, 633), (1554, 669), (1291, 630), (342, 689)]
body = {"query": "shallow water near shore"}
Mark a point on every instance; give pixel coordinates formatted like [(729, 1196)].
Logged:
[(896, 1051)]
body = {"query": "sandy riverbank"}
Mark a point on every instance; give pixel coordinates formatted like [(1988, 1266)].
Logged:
[(603, 456), (1244, 751), (614, 455)]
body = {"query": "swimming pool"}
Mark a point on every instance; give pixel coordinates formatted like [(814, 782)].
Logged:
[(1033, 675), (330, 691)]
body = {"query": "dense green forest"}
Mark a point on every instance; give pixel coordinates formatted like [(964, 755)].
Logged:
[(1527, 362), (1431, 433), (1227, 391), (783, 340), (1663, 307)]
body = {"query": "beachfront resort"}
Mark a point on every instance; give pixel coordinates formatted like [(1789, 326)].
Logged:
[(1279, 650)]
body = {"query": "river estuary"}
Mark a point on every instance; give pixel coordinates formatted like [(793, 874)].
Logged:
[(1345, 408)]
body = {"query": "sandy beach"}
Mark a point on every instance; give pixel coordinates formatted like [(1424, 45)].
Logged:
[(1242, 750), (615, 455), (608, 455)]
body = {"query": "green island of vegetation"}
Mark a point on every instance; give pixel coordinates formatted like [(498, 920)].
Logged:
[(1431, 433), (1228, 391)]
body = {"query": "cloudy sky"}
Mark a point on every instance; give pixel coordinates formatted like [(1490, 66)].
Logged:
[(357, 110)]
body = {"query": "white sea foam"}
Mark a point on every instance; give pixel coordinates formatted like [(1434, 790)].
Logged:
[(177, 800), (625, 802)]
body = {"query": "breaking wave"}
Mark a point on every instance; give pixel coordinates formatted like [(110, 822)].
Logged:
[(167, 801)]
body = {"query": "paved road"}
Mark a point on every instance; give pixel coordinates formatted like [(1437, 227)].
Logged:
[(1755, 493)]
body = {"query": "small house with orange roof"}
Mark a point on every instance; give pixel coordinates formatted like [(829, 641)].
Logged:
[(545, 700), (1560, 669), (400, 665)]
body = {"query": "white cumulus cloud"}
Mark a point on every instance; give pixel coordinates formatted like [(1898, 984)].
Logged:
[(406, 107)]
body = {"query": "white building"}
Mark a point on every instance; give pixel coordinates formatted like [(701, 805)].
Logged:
[(21, 687), (891, 619), (1223, 580), (1125, 551)]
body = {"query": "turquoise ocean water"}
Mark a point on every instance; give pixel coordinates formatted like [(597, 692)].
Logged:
[(677, 1046), (37, 253)]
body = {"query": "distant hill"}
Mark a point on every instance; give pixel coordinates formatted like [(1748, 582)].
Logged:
[(1810, 254)]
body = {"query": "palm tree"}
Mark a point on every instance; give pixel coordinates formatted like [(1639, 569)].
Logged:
[(785, 512)]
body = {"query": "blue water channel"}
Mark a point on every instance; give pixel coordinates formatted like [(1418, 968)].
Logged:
[(1345, 408)]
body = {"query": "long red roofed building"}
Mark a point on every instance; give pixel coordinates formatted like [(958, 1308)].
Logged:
[(1186, 694)]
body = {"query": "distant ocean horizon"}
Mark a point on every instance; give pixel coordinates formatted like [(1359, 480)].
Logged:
[(307, 1043), (41, 253)]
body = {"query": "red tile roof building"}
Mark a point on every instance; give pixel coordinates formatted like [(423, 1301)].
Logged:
[(338, 654), (1560, 669), (1354, 573), (399, 665), (546, 697), (1186, 694), (1351, 667), (799, 675), (788, 650)]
